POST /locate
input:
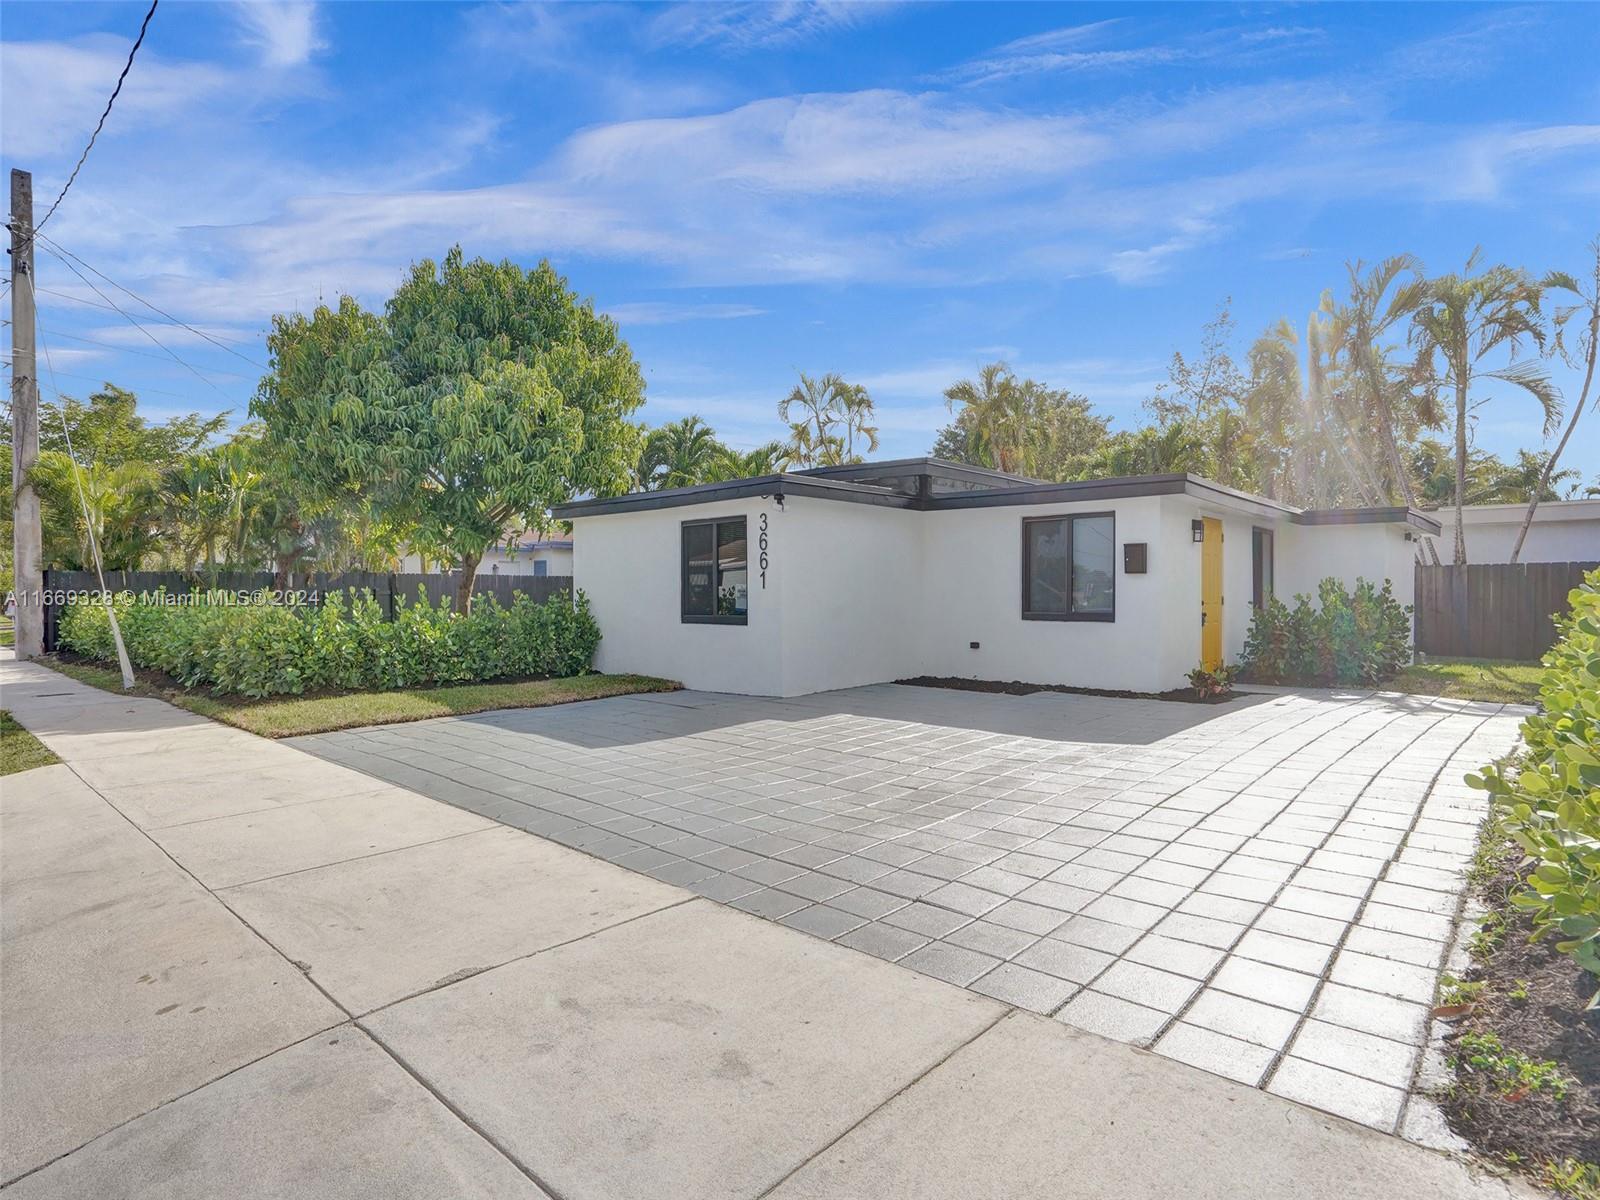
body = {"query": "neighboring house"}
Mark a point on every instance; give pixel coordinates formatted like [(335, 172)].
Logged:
[(544, 556), (1562, 531), (787, 584)]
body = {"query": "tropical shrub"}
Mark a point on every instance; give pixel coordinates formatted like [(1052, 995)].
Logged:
[(1357, 637), (1550, 800), (1208, 682), (345, 644)]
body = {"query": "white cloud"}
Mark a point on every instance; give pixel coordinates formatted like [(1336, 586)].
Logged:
[(53, 92), (1073, 49), (648, 312), (872, 141), (755, 26), (285, 33)]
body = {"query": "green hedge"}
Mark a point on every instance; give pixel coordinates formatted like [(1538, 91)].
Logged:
[(346, 644), (1359, 637), (1550, 802)]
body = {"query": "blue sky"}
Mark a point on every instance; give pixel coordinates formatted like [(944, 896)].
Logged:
[(898, 192)]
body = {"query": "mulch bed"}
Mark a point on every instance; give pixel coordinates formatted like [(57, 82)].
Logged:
[(1017, 688), (1550, 1023)]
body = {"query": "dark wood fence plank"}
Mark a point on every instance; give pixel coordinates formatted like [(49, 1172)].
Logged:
[(1492, 610)]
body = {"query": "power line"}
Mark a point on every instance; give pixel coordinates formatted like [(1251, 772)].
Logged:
[(59, 249), (132, 321), (101, 124), (141, 353), (98, 379)]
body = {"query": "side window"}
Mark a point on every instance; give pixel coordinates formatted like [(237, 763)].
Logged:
[(1260, 567), (1069, 568), (716, 575)]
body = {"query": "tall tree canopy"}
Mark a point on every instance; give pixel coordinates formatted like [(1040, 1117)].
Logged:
[(481, 397)]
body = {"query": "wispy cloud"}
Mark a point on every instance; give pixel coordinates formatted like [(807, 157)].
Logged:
[(647, 312), (756, 26), (1088, 48), (52, 92), (283, 32)]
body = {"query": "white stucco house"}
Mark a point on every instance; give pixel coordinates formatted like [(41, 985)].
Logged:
[(808, 581), (1562, 531)]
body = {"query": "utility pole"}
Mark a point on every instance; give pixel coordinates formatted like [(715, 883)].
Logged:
[(27, 579)]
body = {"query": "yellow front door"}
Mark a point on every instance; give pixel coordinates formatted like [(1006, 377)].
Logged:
[(1211, 595)]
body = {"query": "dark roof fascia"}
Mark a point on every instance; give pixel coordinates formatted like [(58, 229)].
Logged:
[(1064, 493), (1118, 488), (919, 466), (814, 485), (1368, 516), (735, 489)]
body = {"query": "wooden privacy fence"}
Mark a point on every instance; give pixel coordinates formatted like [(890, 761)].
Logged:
[(1493, 610), (384, 586)]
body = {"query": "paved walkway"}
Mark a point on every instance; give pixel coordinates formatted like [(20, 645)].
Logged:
[(1264, 889), (233, 969)]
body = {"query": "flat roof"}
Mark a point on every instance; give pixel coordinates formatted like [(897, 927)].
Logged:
[(996, 489)]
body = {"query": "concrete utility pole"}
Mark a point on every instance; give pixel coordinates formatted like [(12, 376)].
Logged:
[(27, 575)]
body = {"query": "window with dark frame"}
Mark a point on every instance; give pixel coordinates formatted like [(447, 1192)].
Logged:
[(1069, 568), (716, 573), (1260, 567)]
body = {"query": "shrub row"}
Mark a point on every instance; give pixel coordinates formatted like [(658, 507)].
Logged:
[(1359, 637), (1550, 801), (346, 644)]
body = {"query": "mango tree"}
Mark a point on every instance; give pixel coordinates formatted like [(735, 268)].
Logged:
[(483, 395)]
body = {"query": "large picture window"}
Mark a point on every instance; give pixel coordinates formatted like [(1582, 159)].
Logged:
[(1069, 568), (716, 575)]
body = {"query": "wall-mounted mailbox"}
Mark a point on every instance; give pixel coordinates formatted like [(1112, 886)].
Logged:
[(1135, 558)]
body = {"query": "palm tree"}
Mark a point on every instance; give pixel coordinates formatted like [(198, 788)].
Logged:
[(768, 459), (1307, 429), (1465, 318), (1587, 340), (822, 402), (1373, 311), (855, 410), (679, 454), (999, 408), (112, 509)]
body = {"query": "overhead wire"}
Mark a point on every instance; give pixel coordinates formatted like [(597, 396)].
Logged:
[(132, 320), (101, 124), (53, 245)]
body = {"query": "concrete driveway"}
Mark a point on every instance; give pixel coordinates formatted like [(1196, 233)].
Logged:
[(1263, 889), (233, 969)]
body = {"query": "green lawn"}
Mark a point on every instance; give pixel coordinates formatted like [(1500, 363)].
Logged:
[(19, 749), (288, 716), (1471, 679)]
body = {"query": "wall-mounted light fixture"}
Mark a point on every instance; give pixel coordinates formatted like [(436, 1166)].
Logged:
[(1197, 530)]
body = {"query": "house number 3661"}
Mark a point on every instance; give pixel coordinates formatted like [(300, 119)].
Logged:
[(762, 543)]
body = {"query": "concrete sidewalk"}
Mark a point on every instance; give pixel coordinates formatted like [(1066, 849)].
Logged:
[(233, 969)]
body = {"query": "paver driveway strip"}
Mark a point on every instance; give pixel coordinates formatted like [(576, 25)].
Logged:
[(1262, 889), (622, 1037)]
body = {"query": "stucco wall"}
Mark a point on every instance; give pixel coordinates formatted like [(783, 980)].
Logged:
[(853, 593), (629, 565), (1562, 531), (862, 594), (973, 593)]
